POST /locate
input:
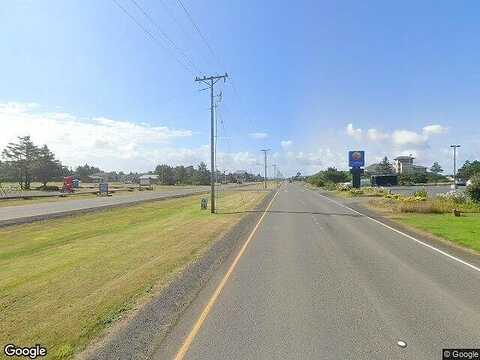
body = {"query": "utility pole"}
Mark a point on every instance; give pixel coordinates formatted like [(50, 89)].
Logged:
[(265, 164), (219, 96), (455, 165), (210, 81), (275, 173)]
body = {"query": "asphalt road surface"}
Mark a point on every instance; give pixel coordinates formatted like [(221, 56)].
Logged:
[(319, 281), (22, 212)]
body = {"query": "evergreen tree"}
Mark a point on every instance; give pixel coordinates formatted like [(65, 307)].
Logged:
[(22, 157), (47, 167), (384, 167), (436, 168)]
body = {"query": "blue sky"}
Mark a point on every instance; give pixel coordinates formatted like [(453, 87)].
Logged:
[(309, 79)]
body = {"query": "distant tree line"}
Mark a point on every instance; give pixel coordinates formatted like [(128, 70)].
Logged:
[(469, 170), (329, 177), (189, 175), (24, 162)]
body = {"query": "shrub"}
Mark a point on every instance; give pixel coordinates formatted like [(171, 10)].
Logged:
[(49, 188), (335, 176), (426, 207), (473, 190), (343, 187), (421, 193), (375, 191), (330, 186), (356, 192), (453, 196), (415, 178), (413, 198), (316, 180), (392, 196)]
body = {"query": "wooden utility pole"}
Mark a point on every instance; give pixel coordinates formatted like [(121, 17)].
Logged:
[(210, 81), (265, 163), (275, 176)]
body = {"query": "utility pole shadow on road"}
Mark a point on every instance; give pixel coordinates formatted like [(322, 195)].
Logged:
[(289, 212)]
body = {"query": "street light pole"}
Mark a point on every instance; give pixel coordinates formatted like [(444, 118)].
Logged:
[(455, 165)]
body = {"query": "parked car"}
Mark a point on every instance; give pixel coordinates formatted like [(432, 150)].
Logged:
[(460, 182)]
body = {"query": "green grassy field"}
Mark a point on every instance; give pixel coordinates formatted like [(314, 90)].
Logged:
[(463, 230), (62, 282)]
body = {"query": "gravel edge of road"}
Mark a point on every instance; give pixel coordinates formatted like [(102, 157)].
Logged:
[(62, 214), (141, 334), (442, 244)]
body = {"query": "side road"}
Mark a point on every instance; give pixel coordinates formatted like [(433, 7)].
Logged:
[(140, 335), (14, 215)]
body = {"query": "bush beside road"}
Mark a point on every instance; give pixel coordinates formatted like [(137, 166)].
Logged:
[(63, 282)]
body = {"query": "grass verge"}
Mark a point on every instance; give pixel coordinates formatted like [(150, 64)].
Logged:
[(463, 230), (62, 282), (435, 216)]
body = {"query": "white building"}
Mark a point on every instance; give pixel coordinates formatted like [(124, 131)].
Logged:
[(404, 165), (148, 179)]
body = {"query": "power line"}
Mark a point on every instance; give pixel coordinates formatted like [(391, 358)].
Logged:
[(186, 33), (165, 35), (218, 60), (204, 39), (152, 37)]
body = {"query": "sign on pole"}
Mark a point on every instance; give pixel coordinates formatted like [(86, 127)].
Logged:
[(103, 189), (356, 159)]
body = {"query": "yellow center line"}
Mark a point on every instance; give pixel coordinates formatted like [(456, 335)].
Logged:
[(198, 324)]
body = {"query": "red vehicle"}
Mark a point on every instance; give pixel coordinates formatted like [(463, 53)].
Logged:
[(67, 184)]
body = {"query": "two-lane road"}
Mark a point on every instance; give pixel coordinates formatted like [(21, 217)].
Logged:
[(319, 281)]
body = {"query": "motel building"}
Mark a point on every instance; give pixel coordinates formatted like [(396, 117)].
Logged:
[(404, 165)]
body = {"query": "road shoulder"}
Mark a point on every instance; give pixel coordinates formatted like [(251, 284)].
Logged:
[(142, 332)]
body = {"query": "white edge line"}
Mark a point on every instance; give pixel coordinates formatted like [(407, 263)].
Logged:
[(402, 233)]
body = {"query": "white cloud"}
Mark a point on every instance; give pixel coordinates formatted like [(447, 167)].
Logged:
[(375, 135), (101, 141), (406, 137), (108, 143), (286, 144), (258, 135), (313, 161), (355, 133), (434, 129), (398, 137)]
